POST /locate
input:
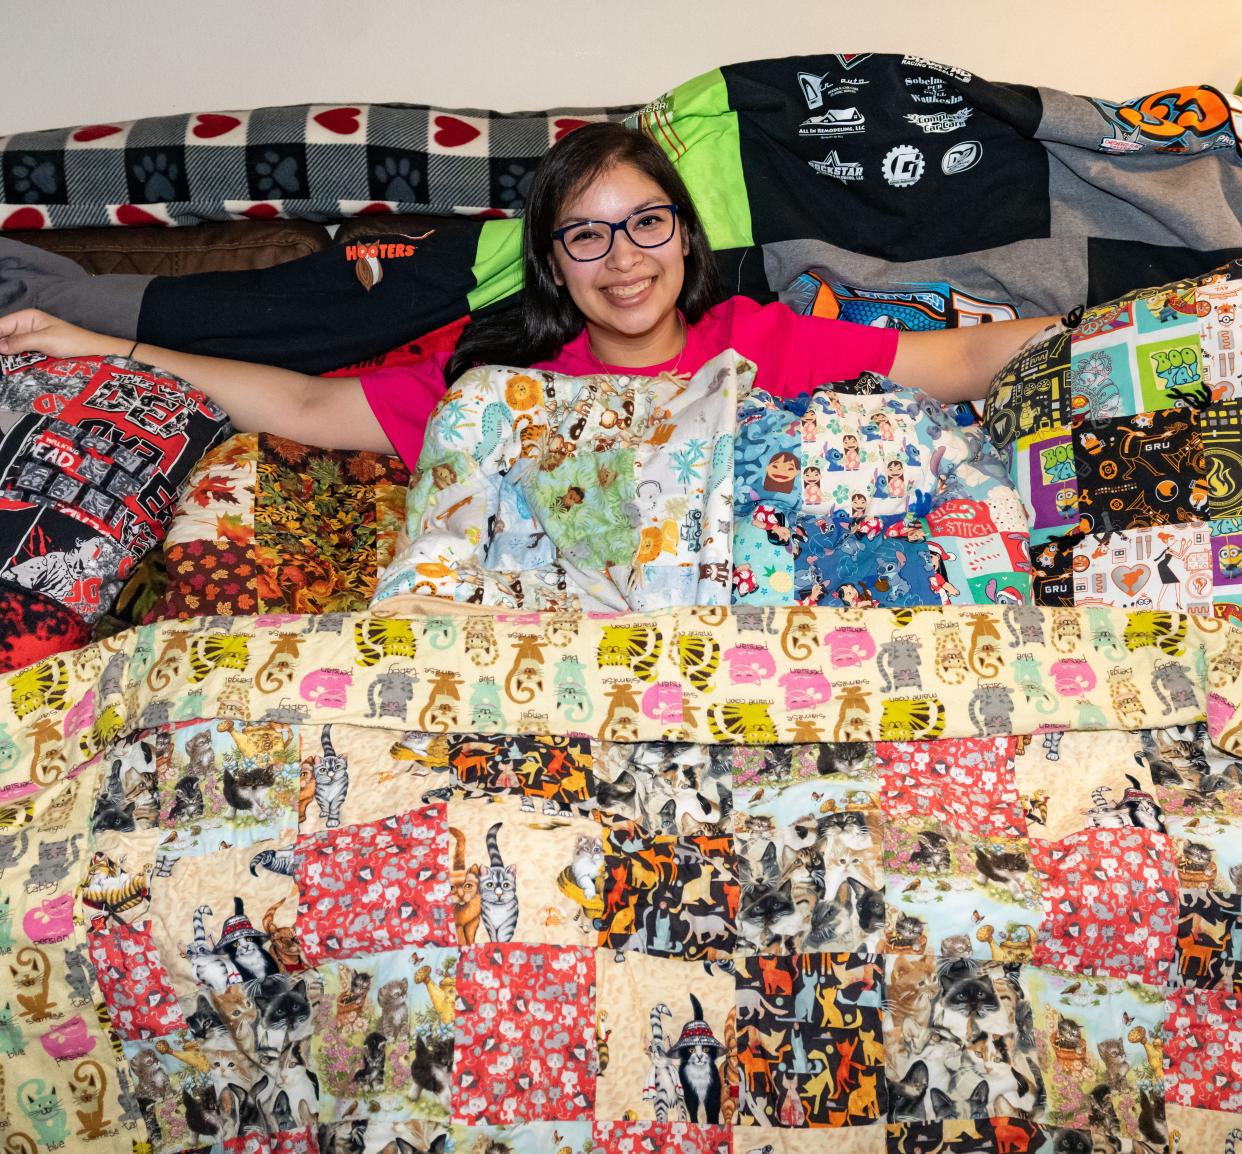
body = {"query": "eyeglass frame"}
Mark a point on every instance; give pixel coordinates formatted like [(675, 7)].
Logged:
[(616, 227)]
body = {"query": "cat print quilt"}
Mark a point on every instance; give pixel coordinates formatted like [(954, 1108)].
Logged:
[(756, 881)]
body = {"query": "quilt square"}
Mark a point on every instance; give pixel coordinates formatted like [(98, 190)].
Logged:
[(670, 787), (1219, 336), (135, 984), (521, 874), (1049, 483), (1168, 567), (1101, 380), (675, 897), (1222, 445), (665, 1035), (524, 1034), (967, 783), (972, 1012), (653, 1137), (1170, 369), (374, 887), (949, 892), (1136, 472), (383, 1033), (552, 774), (1202, 1057), (1209, 937), (1110, 902), (1098, 1053), (810, 1040)]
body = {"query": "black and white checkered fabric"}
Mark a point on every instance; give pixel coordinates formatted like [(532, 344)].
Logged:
[(306, 162)]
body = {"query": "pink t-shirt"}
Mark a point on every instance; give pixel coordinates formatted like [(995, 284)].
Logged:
[(794, 353)]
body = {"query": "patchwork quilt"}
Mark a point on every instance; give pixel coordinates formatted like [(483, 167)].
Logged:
[(540, 491), (878, 173), (1123, 437), (561, 882)]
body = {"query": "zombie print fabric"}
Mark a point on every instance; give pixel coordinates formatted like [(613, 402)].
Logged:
[(89, 476), (965, 877)]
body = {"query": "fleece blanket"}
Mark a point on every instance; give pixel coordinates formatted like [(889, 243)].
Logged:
[(553, 882), (956, 198)]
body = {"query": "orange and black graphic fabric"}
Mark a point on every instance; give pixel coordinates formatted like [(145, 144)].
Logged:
[(810, 1039), (554, 772), (670, 896), (1135, 472)]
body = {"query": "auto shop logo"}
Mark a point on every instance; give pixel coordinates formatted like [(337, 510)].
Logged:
[(940, 121), (903, 166), (961, 157), (813, 86)]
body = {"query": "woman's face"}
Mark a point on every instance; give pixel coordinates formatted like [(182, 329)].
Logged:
[(629, 297)]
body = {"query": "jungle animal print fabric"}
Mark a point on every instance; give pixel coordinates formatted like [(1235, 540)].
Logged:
[(536, 490), (1123, 436), (577, 883)]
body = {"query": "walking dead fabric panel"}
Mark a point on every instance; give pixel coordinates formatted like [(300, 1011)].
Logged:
[(552, 881), (961, 198)]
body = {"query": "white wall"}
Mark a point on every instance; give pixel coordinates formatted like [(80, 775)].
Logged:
[(82, 61)]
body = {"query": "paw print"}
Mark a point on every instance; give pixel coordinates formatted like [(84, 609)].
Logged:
[(156, 175), (397, 177), (34, 179), (514, 184), (277, 174)]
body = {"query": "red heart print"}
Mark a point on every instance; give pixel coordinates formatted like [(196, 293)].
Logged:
[(453, 133), (490, 214), (91, 132), (376, 206), (342, 121), (212, 124), (131, 214), (565, 125), (25, 218), (260, 211)]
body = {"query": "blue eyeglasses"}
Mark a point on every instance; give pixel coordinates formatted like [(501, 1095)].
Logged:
[(647, 227)]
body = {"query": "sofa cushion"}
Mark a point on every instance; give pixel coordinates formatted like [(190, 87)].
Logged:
[(177, 251)]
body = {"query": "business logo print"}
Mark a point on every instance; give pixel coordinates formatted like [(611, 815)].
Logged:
[(842, 170), (903, 166), (961, 157)]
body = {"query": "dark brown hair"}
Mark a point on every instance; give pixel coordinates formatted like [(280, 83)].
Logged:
[(545, 319)]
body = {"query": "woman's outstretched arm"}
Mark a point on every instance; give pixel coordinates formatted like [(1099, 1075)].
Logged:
[(959, 364), (330, 413)]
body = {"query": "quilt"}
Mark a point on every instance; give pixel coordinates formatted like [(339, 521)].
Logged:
[(1123, 438), (880, 174), (470, 880), (536, 490)]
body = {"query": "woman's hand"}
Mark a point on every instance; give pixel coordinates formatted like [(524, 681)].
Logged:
[(34, 331), (329, 413)]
